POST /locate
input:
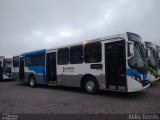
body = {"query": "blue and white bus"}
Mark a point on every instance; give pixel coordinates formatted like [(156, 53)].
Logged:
[(116, 63), (152, 62)]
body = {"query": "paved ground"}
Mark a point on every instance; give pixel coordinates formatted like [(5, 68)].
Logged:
[(18, 98)]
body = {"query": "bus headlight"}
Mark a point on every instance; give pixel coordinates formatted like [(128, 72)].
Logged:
[(136, 78), (133, 76)]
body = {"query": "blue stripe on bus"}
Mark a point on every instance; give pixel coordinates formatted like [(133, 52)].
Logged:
[(34, 52), (38, 69), (136, 73), (145, 77)]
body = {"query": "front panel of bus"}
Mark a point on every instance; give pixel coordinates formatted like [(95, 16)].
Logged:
[(137, 71), (7, 65), (158, 60), (152, 62)]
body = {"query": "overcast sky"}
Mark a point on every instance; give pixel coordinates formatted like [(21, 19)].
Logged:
[(27, 25)]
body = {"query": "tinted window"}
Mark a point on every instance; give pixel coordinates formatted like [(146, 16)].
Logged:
[(35, 60), (15, 61), (136, 60), (76, 54), (7, 64), (29, 60), (134, 37), (92, 52), (40, 59), (63, 56), (158, 48)]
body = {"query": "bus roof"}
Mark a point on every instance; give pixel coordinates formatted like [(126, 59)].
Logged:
[(34, 52), (122, 35)]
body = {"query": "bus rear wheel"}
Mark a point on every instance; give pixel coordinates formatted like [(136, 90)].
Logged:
[(32, 81), (91, 85)]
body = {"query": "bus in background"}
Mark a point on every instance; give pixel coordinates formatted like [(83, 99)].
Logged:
[(5, 68), (1, 69), (158, 48), (116, 63), (152, 62), (158, 59)]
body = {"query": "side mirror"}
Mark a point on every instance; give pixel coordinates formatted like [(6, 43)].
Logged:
[(148, 53), (130, 49)]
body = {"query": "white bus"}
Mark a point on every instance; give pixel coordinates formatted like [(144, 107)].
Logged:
[(115, 63), (152, 62), (5, 68), (158, 59)]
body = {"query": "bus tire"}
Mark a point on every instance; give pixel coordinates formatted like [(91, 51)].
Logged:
[(91, 85), (32, 81)]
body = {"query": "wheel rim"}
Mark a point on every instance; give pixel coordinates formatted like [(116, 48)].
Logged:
[(32, 82), (90, 86)]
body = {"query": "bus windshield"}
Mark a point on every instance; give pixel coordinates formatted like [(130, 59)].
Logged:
[(139, 58), (152, 59), (7, 64), (158, 48), (136, 60), (152, 47)]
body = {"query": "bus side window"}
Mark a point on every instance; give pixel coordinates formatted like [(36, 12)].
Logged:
[(15, 61), (35, 59), (63, 56), (76, 54), (29, 60), (40, 59), (92, 52)]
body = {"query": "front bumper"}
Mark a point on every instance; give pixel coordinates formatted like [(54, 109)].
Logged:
[(145, 82)]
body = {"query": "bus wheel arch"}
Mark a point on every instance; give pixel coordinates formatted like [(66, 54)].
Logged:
[(90, 84), (32, 80)]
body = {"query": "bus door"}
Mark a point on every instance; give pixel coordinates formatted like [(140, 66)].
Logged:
[(21, 68), (51, 67), (115, 65)]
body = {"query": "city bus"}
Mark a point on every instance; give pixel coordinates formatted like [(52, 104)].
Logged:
[(5, 68), (158, 59), (152, 62), (116, 63)]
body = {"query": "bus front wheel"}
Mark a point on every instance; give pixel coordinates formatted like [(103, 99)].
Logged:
[(32, 81), (91, 85)]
